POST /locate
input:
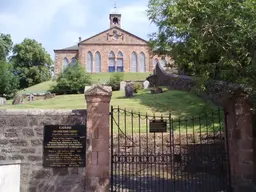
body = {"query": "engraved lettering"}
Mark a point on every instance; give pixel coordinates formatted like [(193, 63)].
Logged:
[(64, 146)]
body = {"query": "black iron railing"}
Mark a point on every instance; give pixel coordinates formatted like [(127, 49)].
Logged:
[(190, 156)]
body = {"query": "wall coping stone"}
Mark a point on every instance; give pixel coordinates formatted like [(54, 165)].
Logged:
[(98, 90), (10, 162), (34, 112)]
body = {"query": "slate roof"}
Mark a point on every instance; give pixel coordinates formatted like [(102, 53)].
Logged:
[(72, 48)]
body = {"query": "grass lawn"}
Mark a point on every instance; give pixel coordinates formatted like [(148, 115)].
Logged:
[(178, 103), (39, 88), (96, 78), (104, 77)]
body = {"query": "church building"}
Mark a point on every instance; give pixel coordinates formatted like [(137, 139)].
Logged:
[(113, 50)]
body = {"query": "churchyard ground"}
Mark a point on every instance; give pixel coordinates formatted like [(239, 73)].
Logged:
[(184, 108)]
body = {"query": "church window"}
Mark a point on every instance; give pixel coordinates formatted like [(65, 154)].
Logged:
[(89, 62), (65, 63), (73, 61), (142, 62), (97, 62), (134, 65), (111, 62), (120, 62)]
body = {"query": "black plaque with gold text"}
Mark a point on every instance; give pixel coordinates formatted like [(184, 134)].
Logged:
[(157, 125), (64, 146)]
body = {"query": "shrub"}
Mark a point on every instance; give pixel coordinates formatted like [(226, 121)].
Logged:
[(114, 81), (72, 80), (137, 86)]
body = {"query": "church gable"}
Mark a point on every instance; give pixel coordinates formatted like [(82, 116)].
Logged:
[(114, 35)]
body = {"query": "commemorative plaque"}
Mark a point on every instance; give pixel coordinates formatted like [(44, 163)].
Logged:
[(64, 146), (157, 125)]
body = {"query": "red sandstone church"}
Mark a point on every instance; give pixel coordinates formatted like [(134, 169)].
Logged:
[(113, 50)]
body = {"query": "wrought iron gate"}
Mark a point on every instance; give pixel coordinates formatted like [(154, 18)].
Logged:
[(189, 156)]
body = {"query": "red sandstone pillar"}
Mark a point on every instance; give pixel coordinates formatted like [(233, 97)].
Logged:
[(97, 156), (241, 149)]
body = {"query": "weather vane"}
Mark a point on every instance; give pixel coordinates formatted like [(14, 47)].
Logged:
[(115, 5)]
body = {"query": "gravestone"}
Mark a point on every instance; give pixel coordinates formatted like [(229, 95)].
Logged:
[(2, 101), (146, 84), (129, 90), (49, 96), (122, 85), (10, 176), (18, 99), (31, 97)]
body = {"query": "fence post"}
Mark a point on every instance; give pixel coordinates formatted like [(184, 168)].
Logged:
[(240, 143), (97, 155)]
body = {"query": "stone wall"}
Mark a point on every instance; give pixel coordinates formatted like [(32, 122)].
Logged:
[(59, 57), (216, 91), (21, 138)]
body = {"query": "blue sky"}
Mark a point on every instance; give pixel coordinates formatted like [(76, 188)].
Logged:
[(59, 23)]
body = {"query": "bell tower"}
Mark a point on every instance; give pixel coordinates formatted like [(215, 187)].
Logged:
[(115, 18)]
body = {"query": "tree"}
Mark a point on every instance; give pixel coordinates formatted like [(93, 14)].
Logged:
[(8, 82), (72, 80), (31, 62), (213, 39), (5, 46)]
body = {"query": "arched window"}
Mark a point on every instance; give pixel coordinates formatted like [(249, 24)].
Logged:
[(142, 62), (64, 63), (97, 62), (111, 62), (120, 62), (73, 61), (89, 62), (134, 66)]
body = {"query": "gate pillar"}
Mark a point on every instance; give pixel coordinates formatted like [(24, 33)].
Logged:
[(241, 150), (97, 155)]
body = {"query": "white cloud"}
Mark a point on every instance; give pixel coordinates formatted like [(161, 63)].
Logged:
[(135, 20), (76, 13), (59, 23), (34, 17), (68, 38), (134, 13)]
